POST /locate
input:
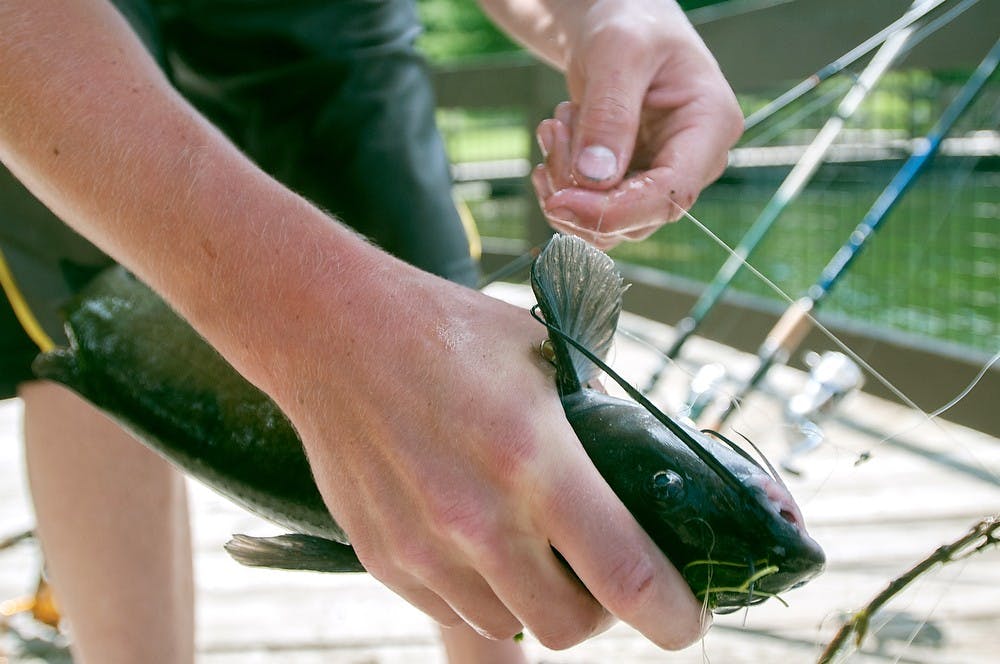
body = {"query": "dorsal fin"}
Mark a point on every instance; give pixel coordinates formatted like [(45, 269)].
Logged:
[(579, 291)]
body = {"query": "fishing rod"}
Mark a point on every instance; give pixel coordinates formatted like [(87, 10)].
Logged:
[(912, 15), (798, 178), (522, 262), (926, 30), (795, 323), (793, 184)]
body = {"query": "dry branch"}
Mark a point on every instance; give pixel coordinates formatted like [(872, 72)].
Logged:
[(982, 535)]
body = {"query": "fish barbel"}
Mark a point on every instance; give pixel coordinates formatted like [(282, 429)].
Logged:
[(736, 536)]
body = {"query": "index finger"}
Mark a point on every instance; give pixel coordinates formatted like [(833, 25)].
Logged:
[(617, 562)]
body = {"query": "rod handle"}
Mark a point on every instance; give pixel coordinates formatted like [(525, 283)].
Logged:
[(790, 330)]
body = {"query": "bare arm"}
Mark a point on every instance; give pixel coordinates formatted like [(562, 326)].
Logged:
[(650, 116), (454, 495)]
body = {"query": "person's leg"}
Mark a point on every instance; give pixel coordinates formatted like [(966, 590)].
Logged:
[(464, 646), (112, 519)]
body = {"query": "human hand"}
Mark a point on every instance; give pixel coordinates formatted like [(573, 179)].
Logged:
[(649, 125), (445, 454)]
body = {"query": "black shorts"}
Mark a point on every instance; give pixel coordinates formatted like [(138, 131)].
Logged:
[(328, 96)]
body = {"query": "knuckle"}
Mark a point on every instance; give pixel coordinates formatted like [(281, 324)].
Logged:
[(607, 112), (630, 584), (418, 559), (625, 33), (514, 453), (466, 519), (573, 631)]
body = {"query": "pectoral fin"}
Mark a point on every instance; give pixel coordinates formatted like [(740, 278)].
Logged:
[(294, 551)]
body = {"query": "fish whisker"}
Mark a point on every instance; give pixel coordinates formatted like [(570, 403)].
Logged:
[(763, 457), (748, 587), (736, 448)]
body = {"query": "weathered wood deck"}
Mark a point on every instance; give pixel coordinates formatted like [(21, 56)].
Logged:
[(924, 486)]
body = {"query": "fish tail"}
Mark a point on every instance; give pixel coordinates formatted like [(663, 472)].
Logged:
[(580, 292), (294, 551), (59, 365)]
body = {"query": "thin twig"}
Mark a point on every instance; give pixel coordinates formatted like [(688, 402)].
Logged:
[(982, 535)]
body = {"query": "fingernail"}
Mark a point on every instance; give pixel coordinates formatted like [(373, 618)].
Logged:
[(597, 163), (545, 139)]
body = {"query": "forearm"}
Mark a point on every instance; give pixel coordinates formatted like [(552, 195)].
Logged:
[(92, 127), (548, 27)]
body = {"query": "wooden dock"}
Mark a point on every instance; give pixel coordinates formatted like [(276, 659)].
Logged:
[(926, 484)]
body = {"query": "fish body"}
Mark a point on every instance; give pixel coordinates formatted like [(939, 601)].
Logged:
[(134, 358)]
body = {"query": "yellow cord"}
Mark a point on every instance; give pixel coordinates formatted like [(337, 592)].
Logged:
[(21, 308), (471, 230)]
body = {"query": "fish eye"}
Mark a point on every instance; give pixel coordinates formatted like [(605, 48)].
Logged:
[(667, 485)]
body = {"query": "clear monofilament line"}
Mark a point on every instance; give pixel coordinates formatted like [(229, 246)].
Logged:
[(819, 326), (925, 416)]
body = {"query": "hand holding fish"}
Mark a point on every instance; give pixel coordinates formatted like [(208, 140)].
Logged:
[(455, 500), (433, 435), (649, 124)]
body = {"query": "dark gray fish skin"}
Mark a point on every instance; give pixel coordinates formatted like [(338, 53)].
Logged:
[(137, 360), (719, 533), (689, 512)]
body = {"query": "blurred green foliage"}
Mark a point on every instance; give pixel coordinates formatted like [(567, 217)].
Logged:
[(456, 29)]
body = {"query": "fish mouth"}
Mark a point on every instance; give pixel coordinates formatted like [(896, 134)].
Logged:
[(730, 586), (791, 558)]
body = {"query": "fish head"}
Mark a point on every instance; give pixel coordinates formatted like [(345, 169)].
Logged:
[(737, 537)]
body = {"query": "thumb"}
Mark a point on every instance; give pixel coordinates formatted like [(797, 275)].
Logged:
[(607, 121)]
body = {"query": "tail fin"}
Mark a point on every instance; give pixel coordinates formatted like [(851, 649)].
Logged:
[(294, 551), (579, 291)]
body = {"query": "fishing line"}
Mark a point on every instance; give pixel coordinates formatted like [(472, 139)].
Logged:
[(819, 326), (926, 616), (925, 416), (968, 388)]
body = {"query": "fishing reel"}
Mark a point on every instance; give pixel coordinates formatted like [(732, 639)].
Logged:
[(832, 377)]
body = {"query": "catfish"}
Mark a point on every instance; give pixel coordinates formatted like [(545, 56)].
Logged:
[(732, 529)]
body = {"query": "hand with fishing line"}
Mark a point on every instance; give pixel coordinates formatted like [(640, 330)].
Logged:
[(649, 124)]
